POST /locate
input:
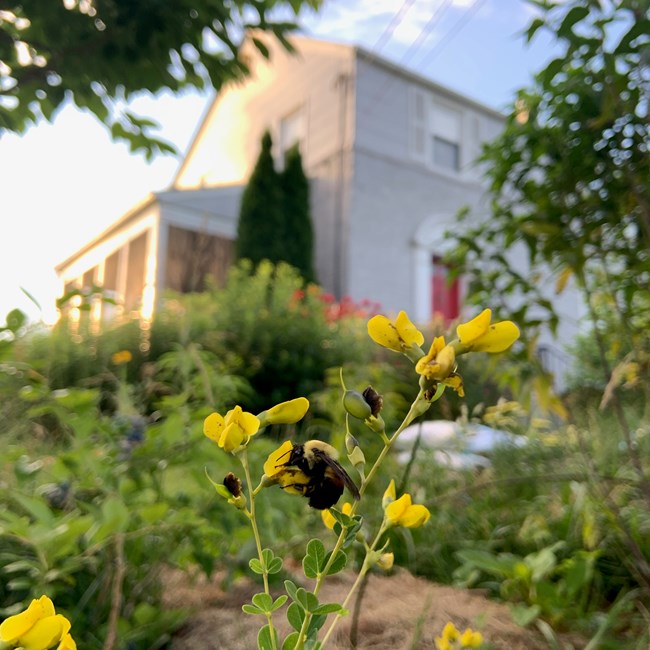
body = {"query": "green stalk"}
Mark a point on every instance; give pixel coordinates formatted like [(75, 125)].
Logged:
[(412, 413), (362, 572), (243, 457)]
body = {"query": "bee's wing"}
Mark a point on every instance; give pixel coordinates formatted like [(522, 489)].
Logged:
[(336, 467)]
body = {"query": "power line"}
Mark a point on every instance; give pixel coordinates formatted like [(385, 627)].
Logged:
[(413, 48), (395, 21), (456, 27)]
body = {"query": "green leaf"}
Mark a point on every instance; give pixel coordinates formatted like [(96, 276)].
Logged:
[(316, 549), (35, 506), (291, 641), (315, 624), (307, 599), (523, 615), (263, 601), (275, 566), (281, 600), (532, 29), (339, 563), (328, 608), (267, 557), (256, 566), (251, 609), (15, 320), (310, 566), (291, 589), (574, 15), (267, 639), (503, 565), (295, 616)]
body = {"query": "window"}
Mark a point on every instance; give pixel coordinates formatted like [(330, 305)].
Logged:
[(445, 292), (292, 132), (435, 132), (445, 133), (445, 153)]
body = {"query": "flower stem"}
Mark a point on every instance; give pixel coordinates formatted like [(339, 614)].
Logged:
[(388, 442), (243, 457), (319, 583), (364, 569)]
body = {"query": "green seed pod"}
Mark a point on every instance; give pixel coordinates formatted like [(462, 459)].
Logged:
[(355, 404)]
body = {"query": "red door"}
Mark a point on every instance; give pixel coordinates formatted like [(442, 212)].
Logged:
[(445, 294)]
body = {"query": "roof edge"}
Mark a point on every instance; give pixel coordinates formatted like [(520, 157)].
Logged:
[(129, 215)]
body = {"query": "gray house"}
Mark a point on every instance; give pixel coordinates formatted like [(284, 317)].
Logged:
[(390, 157)]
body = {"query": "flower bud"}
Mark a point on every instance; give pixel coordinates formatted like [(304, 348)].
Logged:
[(373, 399), (285, 413), (350, 442), (389, 495), (355, 404), (385, 561), (377, 424), (358, 459), (232, 484)]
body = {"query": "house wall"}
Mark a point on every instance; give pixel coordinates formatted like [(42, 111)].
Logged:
[(200, 226), (401, 201), (318, 81)]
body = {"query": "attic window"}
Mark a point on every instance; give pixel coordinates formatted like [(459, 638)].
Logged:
[(446, 137)]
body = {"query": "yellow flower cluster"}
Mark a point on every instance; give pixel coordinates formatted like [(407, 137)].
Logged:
[(402, 511), (451, 638), (39, 627), (233, 431), (439, 364), (121, 357)]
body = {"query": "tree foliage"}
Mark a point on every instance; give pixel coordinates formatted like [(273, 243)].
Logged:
[(260, 230), (298, 237), (274, 219), (569, 174), (569, 180), (99, 53)]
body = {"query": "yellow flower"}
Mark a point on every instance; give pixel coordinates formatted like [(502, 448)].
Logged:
[(478, 335), (399, 336), (285, 413), (471, 639), (274, 463), (121, 357), (403, 512), (233, 431), (328, 518), (385, 561), (37, 628), (389, 495), (290, 479), (439, 363), (67, 643)]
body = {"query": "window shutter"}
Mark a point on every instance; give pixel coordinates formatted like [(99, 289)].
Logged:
[(418, 125)]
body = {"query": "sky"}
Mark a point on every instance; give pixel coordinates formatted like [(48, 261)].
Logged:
[(63, 183)]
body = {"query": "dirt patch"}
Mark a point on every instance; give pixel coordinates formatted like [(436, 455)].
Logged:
[(393, 609)]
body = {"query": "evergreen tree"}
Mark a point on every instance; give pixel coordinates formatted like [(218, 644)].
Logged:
[(298, 233), (260, 231)]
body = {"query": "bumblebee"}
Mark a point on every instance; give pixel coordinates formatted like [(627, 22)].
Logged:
[(318, 461)]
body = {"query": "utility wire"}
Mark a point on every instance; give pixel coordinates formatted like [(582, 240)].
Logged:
[(395, 21), (413, 48), (456, 27)]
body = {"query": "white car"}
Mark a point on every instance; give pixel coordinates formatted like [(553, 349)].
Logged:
[(455, 445)]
